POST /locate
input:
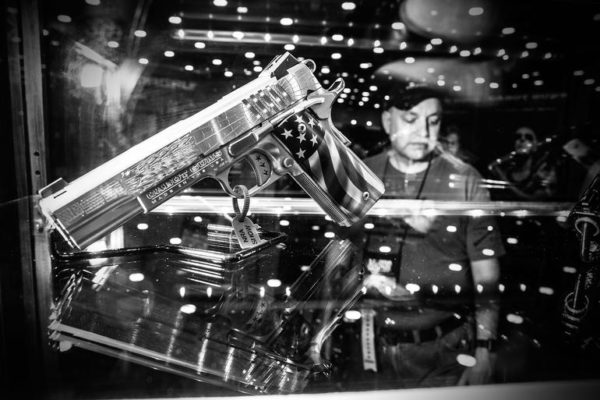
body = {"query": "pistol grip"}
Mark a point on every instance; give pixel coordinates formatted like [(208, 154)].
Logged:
[(326, 169)]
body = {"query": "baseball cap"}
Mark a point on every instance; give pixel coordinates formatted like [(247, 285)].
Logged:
[(405, 96)]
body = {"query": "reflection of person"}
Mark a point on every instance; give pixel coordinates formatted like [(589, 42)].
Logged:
[(587, 158), (451, 142), (441, 262), (530, 172)]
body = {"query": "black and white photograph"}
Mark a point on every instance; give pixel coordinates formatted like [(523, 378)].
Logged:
[(316, 199)]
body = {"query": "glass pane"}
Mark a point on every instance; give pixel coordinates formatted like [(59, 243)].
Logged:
[(478, 117)]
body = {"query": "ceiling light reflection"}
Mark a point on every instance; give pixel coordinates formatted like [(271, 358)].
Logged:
[(286, 21), (274, 283), (64, 18), (398, 26), (348, 5), (531, 45), (475, 11), (466, 360), (136, 277), (188, 309), (352, 315)]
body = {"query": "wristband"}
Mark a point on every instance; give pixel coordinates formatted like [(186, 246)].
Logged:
[(489, 344)]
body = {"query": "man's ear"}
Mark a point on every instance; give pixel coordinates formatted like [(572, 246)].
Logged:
[(386, 121)]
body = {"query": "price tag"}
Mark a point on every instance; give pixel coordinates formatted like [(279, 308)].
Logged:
[(246, 232)]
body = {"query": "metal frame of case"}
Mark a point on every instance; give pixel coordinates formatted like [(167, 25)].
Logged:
[(24, 73)]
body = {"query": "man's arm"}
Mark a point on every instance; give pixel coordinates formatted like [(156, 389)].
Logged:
[(486, 274)]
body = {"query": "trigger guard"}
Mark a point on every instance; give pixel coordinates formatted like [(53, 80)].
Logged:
[(223, 179)]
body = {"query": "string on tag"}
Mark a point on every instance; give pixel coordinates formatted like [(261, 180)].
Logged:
[(241, 191), (245, 230)]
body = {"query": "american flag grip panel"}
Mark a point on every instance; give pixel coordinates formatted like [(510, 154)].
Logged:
[(341, 177)]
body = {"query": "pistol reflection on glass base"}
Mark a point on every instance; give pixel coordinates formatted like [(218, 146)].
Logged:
[(207, 320)]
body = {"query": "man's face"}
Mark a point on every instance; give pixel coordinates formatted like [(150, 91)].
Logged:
[(525, 140), (452, 143), (414, 132)]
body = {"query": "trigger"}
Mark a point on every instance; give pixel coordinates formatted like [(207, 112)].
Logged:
[(261, 167)]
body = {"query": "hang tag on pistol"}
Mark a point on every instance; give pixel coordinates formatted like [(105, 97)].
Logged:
[(245, 230)]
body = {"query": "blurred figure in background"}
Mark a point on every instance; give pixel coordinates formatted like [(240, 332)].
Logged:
[(530, 169), (586, 156), (452, 143)]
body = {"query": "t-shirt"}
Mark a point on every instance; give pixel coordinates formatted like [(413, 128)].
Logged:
[(434, 266)]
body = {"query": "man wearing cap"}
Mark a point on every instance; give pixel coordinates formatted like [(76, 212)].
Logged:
[(433, 277)]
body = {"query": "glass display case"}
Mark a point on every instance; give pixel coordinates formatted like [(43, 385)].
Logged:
[(342, 273)]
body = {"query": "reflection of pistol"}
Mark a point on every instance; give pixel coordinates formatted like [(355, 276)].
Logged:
[(199, 314), (280, 122)]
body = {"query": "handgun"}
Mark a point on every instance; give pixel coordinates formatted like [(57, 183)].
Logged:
[(280, 122)]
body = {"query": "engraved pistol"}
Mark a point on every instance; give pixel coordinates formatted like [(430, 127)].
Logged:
[(280, 122)]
